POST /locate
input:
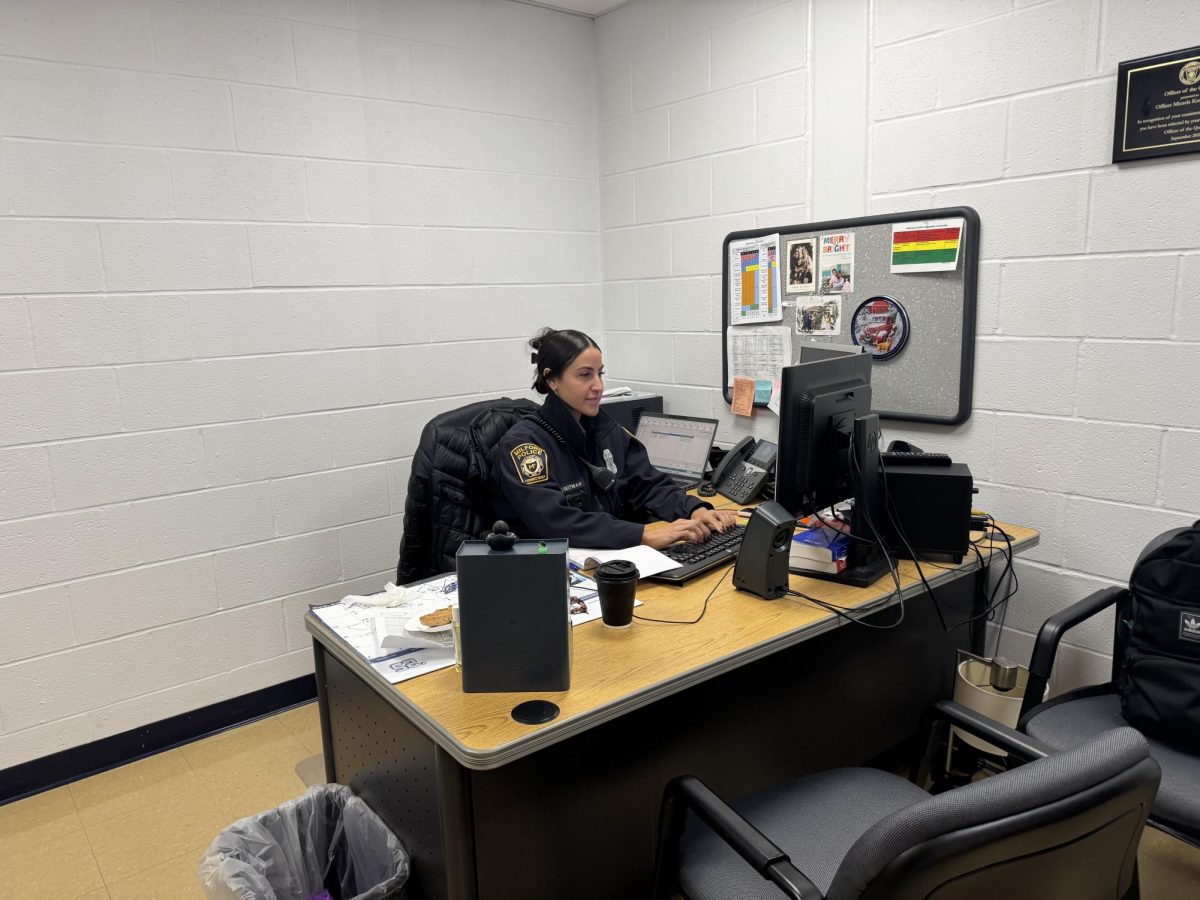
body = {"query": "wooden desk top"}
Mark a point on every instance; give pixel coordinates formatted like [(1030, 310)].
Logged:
[(614, 671)]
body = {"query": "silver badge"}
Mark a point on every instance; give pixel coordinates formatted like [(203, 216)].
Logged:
[(608, 462)]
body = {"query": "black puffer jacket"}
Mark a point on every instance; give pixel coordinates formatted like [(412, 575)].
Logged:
[(447, 499)]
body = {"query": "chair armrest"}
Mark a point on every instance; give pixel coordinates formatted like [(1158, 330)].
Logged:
[(1041, 663), (752, 845), (990, 730)]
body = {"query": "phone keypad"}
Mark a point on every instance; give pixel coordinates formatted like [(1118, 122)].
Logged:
[(741, 486)]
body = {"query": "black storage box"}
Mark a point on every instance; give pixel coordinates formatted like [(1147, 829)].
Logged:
[(514, 617)]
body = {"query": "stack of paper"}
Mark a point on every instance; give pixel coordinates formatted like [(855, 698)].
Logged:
[(648, 560)]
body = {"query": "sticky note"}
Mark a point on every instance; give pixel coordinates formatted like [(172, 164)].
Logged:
[(743, 396)]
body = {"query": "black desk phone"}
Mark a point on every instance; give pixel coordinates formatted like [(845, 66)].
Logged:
[(744, 470)]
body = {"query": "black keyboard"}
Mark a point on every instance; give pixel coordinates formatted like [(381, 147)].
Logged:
[(696, 559), (913, 458)]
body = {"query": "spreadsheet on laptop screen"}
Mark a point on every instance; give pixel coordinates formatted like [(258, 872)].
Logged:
[(677, 446)]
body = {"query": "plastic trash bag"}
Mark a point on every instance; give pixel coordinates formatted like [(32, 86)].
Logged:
[(326, 838)]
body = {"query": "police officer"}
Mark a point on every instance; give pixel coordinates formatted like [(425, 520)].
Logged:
[(572, 472)]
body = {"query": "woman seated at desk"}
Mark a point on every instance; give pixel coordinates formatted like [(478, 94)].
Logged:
[(572, 472)]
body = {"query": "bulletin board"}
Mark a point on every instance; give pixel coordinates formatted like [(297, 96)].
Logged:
[(901, 286)]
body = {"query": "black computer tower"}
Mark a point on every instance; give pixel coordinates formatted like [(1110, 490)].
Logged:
[(932, 506), (628, 409)]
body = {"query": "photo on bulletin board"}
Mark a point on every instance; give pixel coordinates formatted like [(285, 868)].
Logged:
[(819, 315), (802, 265), (898, 286), (837, 263)]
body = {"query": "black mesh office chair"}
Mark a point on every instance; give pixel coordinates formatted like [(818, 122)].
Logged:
[(447, 500), (1062, 825), (1076, 716)]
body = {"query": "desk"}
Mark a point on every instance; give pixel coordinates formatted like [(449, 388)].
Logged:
[(755, 693)]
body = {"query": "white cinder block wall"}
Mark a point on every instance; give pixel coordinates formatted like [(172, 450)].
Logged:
[(703, 110), (1088, 349), (246, 250)]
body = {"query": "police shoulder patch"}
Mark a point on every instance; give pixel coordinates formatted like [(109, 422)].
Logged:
[(531, 463)]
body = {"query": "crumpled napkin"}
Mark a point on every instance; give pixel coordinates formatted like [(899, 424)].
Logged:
[(413, 596)]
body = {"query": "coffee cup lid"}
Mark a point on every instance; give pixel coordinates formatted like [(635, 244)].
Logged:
[(617, 570)]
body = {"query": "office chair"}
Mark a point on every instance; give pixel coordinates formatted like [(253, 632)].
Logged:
[(1074, 717), (447, 500), (1062, 825)]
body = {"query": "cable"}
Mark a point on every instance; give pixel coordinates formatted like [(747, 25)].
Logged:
[(1009, 574), (841, 611), (703, 609), (891, 563), (888, 505)]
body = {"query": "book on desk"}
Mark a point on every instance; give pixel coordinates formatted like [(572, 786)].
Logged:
[(819, 549)]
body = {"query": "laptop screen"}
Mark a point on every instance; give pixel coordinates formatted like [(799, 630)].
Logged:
[(677, 445)]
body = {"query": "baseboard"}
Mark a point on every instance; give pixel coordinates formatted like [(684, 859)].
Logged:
[(107, 753)]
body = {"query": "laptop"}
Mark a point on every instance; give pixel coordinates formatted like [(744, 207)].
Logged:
[(677, 445)]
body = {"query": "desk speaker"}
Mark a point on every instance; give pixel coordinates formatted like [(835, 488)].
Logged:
[(762, 563)]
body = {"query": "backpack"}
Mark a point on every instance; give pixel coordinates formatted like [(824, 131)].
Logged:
[(1159, 675)]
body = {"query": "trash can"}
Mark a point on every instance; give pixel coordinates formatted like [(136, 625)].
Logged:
[(328, 840)]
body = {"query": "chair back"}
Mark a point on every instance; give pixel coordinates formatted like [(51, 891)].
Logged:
[(448, 498), (1064, 826)]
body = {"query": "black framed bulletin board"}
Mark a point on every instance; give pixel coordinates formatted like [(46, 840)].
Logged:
[(899, 286)]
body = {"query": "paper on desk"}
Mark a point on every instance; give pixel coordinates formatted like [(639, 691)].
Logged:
[(585, 605), (355, 624), (648, 560)]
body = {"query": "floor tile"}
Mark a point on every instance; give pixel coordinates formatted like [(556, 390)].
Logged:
[(150, 835), (259, 742), (1169, 867), (147, 782), (300, 718), (176, 879), (63, 868), (241, 796), (311, 770), (304, 722), (35, 821)]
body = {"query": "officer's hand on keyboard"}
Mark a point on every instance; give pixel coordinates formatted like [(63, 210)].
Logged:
[(715, 519), (671, 532)]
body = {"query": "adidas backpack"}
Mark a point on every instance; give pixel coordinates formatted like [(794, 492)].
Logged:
[(1159, 681)]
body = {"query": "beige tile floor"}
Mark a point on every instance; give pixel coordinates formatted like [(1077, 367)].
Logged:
[(137, 832)]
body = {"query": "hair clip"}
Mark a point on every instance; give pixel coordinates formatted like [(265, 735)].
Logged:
[(533, 357)]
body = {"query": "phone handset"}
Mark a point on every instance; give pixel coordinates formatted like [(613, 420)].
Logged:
[(744, 470), (736, 455)]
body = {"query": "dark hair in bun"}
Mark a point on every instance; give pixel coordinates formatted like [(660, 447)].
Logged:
[(555, 350)]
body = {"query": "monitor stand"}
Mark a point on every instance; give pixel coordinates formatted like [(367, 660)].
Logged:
[(866, 562)]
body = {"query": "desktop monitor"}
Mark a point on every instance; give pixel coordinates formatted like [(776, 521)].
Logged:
[(829, 450)]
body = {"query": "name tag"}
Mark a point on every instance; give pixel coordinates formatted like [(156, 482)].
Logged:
[(575, 494)]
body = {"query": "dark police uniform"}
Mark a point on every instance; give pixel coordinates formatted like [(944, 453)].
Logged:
[(542, 488)]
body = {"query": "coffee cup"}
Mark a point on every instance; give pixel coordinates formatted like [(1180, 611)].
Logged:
[(616, 583)]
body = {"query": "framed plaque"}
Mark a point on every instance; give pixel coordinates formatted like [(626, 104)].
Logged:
[(1158, 106)]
